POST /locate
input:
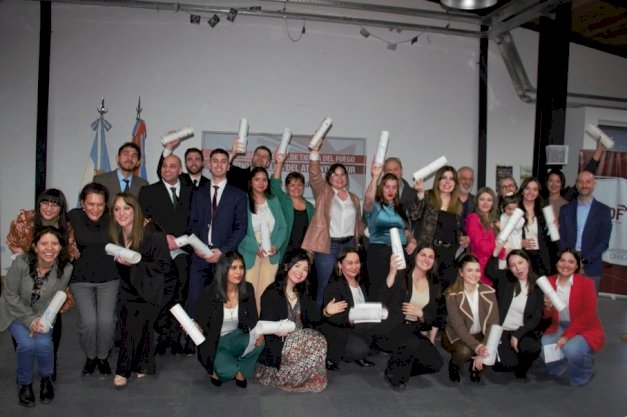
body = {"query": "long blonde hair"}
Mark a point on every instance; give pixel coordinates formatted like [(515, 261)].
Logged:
[(137, 232)]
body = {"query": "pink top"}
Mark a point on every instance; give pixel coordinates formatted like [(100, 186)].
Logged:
[(482, 243)]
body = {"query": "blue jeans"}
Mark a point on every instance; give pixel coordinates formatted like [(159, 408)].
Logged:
[(28, 348), (577, 362), (325, 264)]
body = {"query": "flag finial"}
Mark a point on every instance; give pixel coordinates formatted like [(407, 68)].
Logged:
[(102, 109), (139, 107)]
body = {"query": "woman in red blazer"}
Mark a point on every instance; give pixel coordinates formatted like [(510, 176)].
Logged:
[(576, 330)]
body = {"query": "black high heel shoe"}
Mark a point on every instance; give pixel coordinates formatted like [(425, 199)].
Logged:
[(242, 383), (474, 373), (453, 372), (215, 381)]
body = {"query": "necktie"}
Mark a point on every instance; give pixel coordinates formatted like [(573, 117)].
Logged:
[(175, 199), (195, 183), (126, 186), (214, 203)]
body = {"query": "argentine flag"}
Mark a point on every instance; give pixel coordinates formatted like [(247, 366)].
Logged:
[(98, 161)]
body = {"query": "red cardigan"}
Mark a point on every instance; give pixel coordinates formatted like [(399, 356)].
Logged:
[(584, 319)]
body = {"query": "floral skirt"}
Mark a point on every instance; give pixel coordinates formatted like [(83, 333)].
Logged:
[(302, 364)]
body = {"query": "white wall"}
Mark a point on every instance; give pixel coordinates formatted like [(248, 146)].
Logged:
[(425, 94)]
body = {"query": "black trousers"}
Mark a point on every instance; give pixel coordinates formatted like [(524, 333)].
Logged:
[(174, 293), (137, 342), (528, 351)]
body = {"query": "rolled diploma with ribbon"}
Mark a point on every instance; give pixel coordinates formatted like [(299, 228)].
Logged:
[(266, 245), (549, 216), (397, 248), (187, 324), (368, 313), (275, 327), (548, 289), (285, 141), (320, 133), (264, 327), (598, 134), (431, 168), (198, 246), (47, 319), (182, 240), (243, 132), (493, 344), (128, 255), (181, 134), (509, 227), (382, 148)]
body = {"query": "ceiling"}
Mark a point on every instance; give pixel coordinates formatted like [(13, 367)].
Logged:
[(599, 24)]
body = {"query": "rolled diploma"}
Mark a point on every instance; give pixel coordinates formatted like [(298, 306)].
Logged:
[(181, 134), (265, 237), (285, 141), (397, 247), (431, 168), (546, 288), (128, 255), (273, 327), (597, 133), (197, 244), (268, 327), (320, 133), (509, 227), (382, 148), (47, 319), (549, 216), (187, 324), (493, 344), (243, 131), (182, 240), (368, 313)]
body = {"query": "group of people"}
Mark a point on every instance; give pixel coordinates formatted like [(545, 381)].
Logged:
[(264, 243)]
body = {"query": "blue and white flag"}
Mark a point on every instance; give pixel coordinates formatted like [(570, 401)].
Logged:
[(98, 161), (138, 137)]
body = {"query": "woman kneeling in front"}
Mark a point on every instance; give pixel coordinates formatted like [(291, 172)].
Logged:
[(227, 311)]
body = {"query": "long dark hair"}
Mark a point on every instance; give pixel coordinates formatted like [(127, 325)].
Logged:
[(338, 275), (62, 260), (537, 204), (531, 276), (221, 276), (432, 274), (572, 252), (292, 258), (455, 205), (267, 192)]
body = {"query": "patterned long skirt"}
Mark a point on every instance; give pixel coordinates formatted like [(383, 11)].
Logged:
[(302, 364)]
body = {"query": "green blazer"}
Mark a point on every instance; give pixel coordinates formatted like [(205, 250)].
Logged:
[(287, 206), (248, 246)]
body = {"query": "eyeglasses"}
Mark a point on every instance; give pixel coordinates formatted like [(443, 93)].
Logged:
[(508, 187), (49, 204), (338, 174)]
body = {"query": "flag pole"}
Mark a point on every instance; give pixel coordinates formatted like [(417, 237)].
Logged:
[(101, 110)]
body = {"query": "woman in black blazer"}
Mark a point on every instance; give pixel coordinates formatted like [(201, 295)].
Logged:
[(346, 341), (411, 298), (226, 313), (294, 362), (520, 302)]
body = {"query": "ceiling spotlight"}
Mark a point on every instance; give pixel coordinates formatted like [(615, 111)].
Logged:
[(232, 15), (391, 46), (214, 20), (468, 4), (364, 32), (195, 19)]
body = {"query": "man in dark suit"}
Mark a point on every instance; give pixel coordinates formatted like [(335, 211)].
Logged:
[(167, 203), (466, 179), (586, 226), (221, 229), (406, 191), (122, 179), (239, 177)]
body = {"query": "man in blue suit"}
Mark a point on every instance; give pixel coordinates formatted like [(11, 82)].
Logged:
[(219, 218), (586, 226)]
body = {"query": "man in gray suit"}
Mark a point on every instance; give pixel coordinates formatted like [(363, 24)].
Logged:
[(122, 179)]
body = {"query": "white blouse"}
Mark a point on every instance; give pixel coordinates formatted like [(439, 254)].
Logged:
[(230, 321)]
